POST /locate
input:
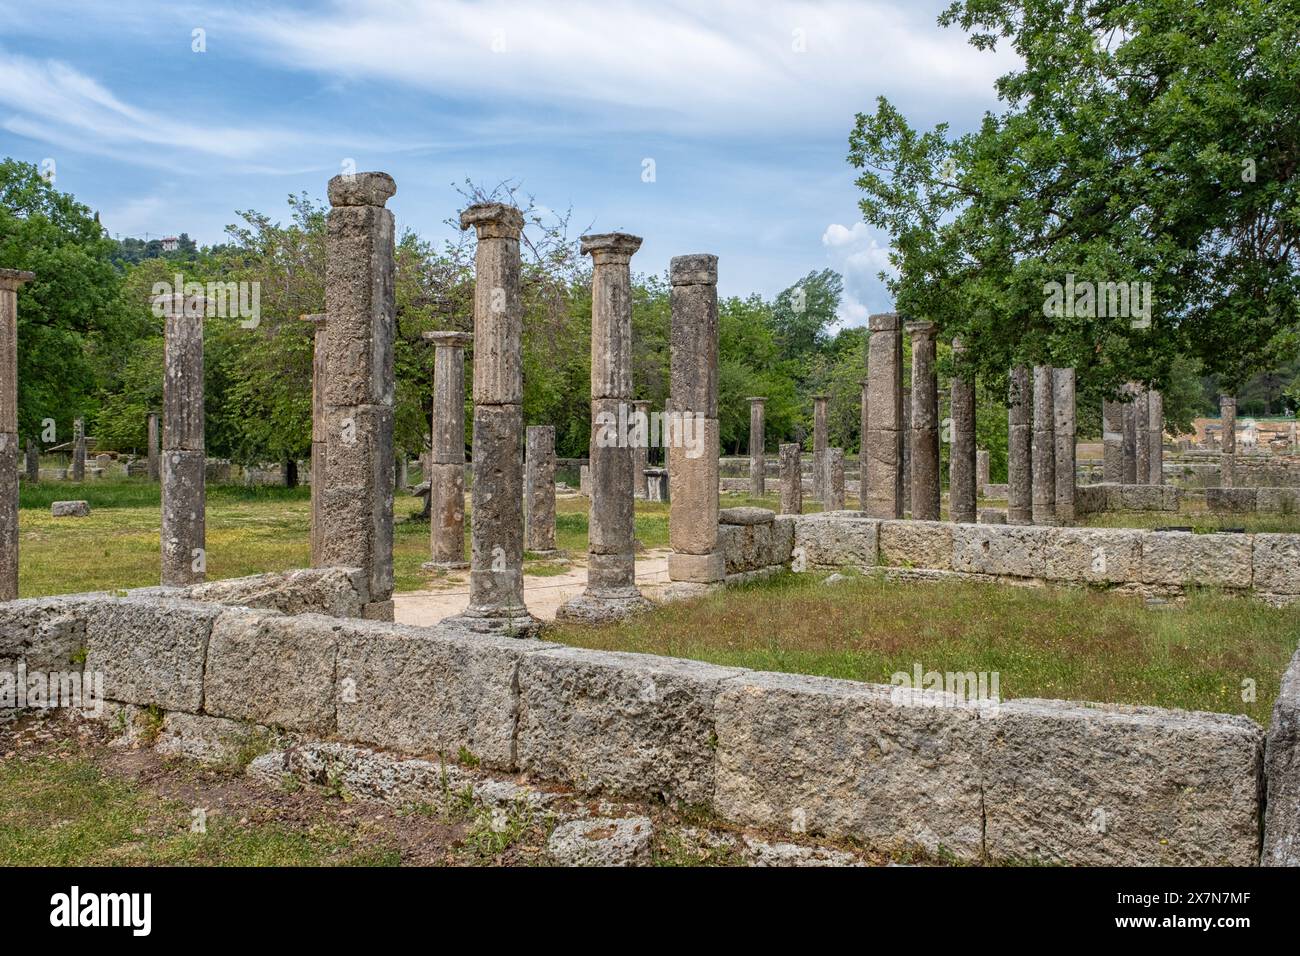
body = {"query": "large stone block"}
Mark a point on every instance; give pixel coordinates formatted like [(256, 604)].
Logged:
[(338, 592), (693, 478), (630, 724), (1208, 560), (1233, 501), (832, 541), (1105, 785), (273, 670), (150, 651), (989, 549), (1094, 555), (1282, 774), (46, 634), (430, 690), (916, 544), (746, 547), (842, 759), (689, 568), (1277, 563), (1278, 500)]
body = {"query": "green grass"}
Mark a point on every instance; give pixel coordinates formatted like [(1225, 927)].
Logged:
[(1062, 643), (1202, 522)]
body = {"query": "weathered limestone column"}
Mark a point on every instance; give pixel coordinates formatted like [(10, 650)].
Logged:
[(693, 515), (905, 448), (821, 404), (32, 463), (862, 447), (757, 444), (78, 471), (834, 480), (152, 453), (925, 422), (1019, 448), (1064, 432), (1142, 441), (1228, 449), (882, 495), (981, 471), (184, 489), (640, 450), (1130, 436), (10, 281), (357, 503), (539, 490), (447, 451), (319, 479), (611, 591), (1112, 436), (962, 492), (496, 577), (1156, 437), (791, 479), (1043, 445)]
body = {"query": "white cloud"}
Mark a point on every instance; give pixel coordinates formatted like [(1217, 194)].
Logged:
[(860, 257)]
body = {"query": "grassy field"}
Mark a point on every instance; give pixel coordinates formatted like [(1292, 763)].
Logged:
[(1066, 643), (1202, 522)]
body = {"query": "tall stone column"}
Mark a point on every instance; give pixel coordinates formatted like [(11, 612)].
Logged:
[(447, 452), (1156, 437), (1064, 432), (862, 447), (1130, 435), (184, 489), (357, 505), (905, 448), (539, 490), (1228, 449), (153, 437), (496, 577), (640, 450), (693, 515), (981, 471), (319, 479), (791, 479), (78, 472), (1112, 436), (834, 480), (821, 404), (1043, 447), (1020, 439), (757, 444), (611, 591), (1142, 440), (882, 496), (10, 282), (925, 422), (962, 493), (33, 461)]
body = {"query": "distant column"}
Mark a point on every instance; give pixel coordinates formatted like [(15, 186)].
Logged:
[(1043, 447), (1141, 438), (641, 450), (981, 471), (1112, 436), (882, 472), (33, 462), (905, 448), (446, 475), (862, 447), (319, 481), (757, 443), (834, 480), (821, 404), (1064, 432), (78, 472), (539, 490), (1130, 436), (152, 430), (1228, 450), (184, 493), (10, 282), (1156, 437), (1020, 448), (791, 479), (925, 422), (962, 492)]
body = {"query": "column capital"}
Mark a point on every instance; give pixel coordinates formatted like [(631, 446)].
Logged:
[(493, 220), (316, 318), (610, 248), (920, 328), (12, 279), (756, 399), (821, 398), (641, 403), (179, 304), (361, 189), (958, 345), (697, 269), (883, 322), (448, 340)]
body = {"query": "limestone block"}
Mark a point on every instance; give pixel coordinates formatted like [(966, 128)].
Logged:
[(602, 841), (1094, 555), (694, 568), (746, 516), (206, 739), (1230, 500), (359, 284), (836, 541), (361, 189), (46, 634), (916, 544), (1014, 551), (1277, 563), (992, 516), (70, 509), (1278, 500), (1210, 560), (694, 483), (339, 592)]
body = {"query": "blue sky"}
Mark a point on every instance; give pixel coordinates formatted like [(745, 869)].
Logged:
[(744, 109)]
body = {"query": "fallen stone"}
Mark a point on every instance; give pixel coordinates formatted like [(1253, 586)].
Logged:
[(602, 841), (762, 853), (70, 509)]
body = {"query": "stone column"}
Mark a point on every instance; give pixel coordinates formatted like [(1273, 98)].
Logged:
[(10, 281), (820, 407), (1019, 448), (1130, 436), (152, 430), (184, 490), (1156, 437), (319, 479), (981, 471), (446, 475), (882, 495), (1142, 441), (641, 450), (1064, 432), (757, 443), (1043, 447), (862, 447), (834, 480), (962, 491), (33, 462), (611, 591), (925, 422), (357, 506), (1228, 449), (791, 479), (496, 577), (905, 448), (1112, 436), (539, 490), (78, 472), (693, 515)]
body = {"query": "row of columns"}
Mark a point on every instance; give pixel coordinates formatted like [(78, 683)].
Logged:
[(1041, 430), (1133, 437)]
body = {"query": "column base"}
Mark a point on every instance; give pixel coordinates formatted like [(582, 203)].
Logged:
[(444, 565), (603, 607), (689, 590), (697, 568), (549, 553), (498, 621)]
